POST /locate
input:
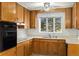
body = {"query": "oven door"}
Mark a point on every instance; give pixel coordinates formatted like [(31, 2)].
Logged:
[(9, 39)]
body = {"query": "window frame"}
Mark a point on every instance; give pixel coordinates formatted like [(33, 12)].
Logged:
[(62, 15)]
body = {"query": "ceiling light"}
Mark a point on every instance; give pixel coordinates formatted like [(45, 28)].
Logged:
[(46, 6)]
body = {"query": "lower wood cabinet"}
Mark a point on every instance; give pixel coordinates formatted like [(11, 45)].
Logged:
[(52, 48), (73, 49), (24, 48), (20, 49), (43, 47), (9, 52), (28, 47), (35, 46), (49, 47)]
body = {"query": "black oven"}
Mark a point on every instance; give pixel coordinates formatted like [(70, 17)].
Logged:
[(8, 35)]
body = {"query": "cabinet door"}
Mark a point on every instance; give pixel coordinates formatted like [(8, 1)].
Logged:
[(28, 47), (27, 18), (74, 16), (62, 47), (43, 47), (77, 15), (73, 50), (9, 52), (20, 13), (52, 48), (36, 48), (20, 49), (33, 19), (68, 22), (8, 11)]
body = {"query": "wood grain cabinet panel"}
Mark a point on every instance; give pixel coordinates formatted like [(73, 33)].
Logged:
[(62, 48), (52, 48), (49, 47), (36, 46), (43, 47), (20, 13), (9, 52), (75, 14), (73, 50), (28, 47), (33, 16), (27, 18), (20, 49), (8, 11), (68, 16)]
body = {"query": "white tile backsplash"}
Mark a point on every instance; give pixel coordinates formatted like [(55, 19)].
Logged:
[(21, 33)]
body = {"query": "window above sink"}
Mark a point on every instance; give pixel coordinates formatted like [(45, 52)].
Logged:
[(51, 23)]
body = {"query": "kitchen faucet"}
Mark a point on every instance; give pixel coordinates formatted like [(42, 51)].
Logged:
[(49, 35)]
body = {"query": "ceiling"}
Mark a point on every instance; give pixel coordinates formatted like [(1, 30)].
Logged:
[(40, 5)]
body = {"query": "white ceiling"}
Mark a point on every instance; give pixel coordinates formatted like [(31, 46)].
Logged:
[(40, 5)]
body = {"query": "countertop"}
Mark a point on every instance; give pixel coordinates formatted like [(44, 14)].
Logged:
[(68, 41)]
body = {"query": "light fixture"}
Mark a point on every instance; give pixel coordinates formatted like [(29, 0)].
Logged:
[(46, 6)]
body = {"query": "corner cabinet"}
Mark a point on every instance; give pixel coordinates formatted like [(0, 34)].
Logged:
[(8, 11)]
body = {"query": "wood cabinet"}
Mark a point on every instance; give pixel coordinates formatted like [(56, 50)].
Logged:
[(8, 11), (36, 44), (27, 18), (20, 13), (49, 47), (73, 50), (20, 49), (43, 47), (9, 52), (24, 48), (68, 17), (62, 46), (33, 16), (75, 14), (52, 48), (28, 47)]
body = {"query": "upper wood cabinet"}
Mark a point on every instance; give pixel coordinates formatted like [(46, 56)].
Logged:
[(33, 16), (20, 13), (9, 52), (68, 17), (27, 18), (8, 11), (75, 14)]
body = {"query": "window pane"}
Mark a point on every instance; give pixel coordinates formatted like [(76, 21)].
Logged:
[(50, 24), (43, 24), (57, 24)]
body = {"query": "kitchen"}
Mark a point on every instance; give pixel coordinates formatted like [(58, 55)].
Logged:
[(43, 29)]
